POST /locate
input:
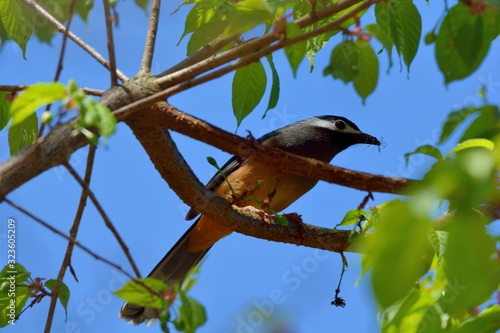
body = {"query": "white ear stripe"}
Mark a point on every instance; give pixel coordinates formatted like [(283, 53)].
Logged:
[(331, 125)]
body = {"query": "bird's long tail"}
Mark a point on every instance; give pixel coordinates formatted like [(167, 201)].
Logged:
[(172, 269)]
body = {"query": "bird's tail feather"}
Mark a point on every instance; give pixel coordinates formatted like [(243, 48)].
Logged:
[(172, 269)]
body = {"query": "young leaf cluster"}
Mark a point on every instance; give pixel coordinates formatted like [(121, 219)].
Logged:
[(21, 113), (17, 287)]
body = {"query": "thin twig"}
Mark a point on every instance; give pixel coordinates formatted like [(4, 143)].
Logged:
[(64, 41), (60, 27), (59, 67), (60, 233), (19, 87), (147, 56), (111, 44), (72, 233), (105, 217)]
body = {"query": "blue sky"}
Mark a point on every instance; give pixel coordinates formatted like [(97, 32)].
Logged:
[(243, 278)]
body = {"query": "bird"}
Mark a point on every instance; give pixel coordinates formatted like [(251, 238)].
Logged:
[(247, 182)]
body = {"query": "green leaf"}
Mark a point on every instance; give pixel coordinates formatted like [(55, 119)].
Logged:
[(487, 321), (15, 16), (485, 126), (356, 62), (14, 292), (295, 52), (473, 143), (247, 15), (383, 36), (23, 134), (366, 79), (201, 13), (249, 85), (438, 240), (137, 293), (454, 119), (472, 272), (462, 42), (275, 87), (83, 8), (206, 34), (142, 3), (191, 313), (4, 109), (352, 216), (63, 293), (43, 29), (397, 247), (402, 20), (429, 150), (34, 97), (94, 114)]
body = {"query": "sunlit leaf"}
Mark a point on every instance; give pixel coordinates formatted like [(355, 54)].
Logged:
[(352, 216), (473, 143), (34, 97), (137, 293), (14, 292), (426, 150)]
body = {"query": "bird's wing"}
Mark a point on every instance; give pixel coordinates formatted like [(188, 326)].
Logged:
[(231, 165)]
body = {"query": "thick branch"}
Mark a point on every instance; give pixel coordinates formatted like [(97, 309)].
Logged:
[(179, 176), (166, 116)]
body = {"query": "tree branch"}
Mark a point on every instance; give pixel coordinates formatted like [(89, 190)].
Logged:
[(179, 176), (69, 238), (251, 46), (105, 217), (164, 115), (147, 56), (72, 234), (111, 44), (60, 27)]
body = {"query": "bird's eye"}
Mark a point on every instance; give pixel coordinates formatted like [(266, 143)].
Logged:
[(340, 124)]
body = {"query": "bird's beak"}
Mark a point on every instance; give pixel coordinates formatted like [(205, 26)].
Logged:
[(368, 139)]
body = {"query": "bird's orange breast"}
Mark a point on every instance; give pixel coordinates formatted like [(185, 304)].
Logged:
[(254, 184)]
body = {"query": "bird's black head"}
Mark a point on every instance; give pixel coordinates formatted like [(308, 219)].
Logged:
[(318, 137)]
